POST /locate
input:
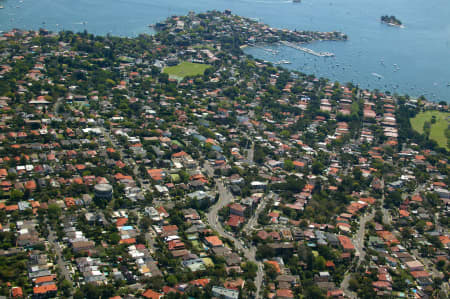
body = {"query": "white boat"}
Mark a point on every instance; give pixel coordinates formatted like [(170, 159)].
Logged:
[(377, 75), (272, 51), (283, 61)]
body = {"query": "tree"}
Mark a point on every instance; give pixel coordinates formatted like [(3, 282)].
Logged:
[(145, 223), (378, 216), (114, 238), (54, 211), (250, 269), (271, 272), (250, 286), (317, 167), (16, 195), (172, 280), (314, 292), (66, 287), (319, 263), (394, 199), (132, 217), (264, 251), (288, 165), (427, 128), (259, 155)]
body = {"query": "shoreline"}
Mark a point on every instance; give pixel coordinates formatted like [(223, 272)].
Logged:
[(357, 82)]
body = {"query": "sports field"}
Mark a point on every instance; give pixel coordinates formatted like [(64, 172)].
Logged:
[(437, 132), (186, 69)]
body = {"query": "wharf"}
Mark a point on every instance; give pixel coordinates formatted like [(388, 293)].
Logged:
[(309, 51)]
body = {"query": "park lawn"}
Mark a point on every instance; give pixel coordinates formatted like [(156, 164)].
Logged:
[(186, 69), (437, 129), (200, 47)]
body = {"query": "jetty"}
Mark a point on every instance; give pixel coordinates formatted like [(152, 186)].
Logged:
[(306, 50)]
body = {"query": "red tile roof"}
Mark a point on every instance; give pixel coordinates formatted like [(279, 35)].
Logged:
[(200, 282), (17, 292), (417, 198), (179, 154), (30, 185), (128, 241), (235, 221), (45, 289), (121, 222), (170, 228), (346, 243), (43, 279), (214, 241), (417, 274), (12, 208), (152, 294), (285, 293)]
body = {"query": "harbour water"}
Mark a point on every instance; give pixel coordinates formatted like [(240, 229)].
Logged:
[(413, 60)]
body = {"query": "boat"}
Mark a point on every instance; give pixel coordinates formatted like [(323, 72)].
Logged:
[(377, 75), (1, 7), (283, 61), (327, 54), (272, 51)]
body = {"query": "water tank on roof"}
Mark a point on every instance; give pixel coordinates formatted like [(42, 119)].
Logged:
[(103, 191)]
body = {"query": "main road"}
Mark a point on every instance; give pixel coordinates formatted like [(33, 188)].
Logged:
[(225, 197), (358, 242), (61, 263)]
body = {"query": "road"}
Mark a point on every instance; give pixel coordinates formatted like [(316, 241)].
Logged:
[(251, 153), (208, 168), (225, 197), (358, 240), (344, 286), (62, 265), (254, 219), (387, 218)]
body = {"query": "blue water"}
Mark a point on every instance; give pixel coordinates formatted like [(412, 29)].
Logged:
[(414, 60)]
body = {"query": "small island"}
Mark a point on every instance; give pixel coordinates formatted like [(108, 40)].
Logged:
[(391, 20)]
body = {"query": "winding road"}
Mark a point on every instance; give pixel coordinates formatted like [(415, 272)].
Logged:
[(225, 197)]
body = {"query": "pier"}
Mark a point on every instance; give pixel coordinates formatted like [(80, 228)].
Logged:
[(309, 51)]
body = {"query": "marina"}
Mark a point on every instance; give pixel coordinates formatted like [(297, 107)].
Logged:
[(306, 50)]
